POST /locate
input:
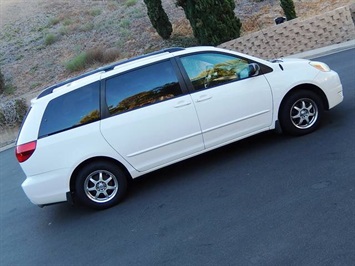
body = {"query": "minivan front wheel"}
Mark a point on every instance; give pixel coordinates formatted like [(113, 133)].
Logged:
[(301, 113), (100, 185)]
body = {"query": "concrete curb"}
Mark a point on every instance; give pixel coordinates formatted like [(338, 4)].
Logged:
[(335, 48), (6, 147), (307, 55)]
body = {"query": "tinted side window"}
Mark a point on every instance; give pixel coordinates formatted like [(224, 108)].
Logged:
[(71, 110), (140, 87), (207, 70)]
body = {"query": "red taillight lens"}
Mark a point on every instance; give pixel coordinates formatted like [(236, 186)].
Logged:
[(24, 151)]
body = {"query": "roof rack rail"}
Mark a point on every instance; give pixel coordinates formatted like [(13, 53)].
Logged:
[(106, 68)]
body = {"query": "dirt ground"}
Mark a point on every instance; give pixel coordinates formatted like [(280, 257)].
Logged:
[(29, 63), (12, 10)]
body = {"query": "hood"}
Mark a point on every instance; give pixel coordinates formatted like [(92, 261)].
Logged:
[(289, 60), (290, 63)]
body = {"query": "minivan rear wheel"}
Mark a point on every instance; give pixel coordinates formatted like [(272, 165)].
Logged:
[(100, 185)]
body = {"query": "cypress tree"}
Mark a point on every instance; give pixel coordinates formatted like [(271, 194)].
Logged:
[(213, 21), (159, 18), (289, 9)]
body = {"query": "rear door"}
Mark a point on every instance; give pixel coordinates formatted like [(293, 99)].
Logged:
[(151, 122)]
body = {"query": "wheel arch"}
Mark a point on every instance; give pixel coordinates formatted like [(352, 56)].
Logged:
[(95, 159), (306, 86)]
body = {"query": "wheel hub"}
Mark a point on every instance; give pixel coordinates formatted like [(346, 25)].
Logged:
[(304, 113), (101, 186)]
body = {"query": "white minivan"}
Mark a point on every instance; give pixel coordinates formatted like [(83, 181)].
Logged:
[(83, 139)]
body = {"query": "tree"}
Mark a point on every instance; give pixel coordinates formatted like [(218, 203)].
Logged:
[(213, 21), (159, 18), (288, 8)]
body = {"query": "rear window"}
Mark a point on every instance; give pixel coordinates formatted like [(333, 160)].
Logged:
[(71, 110)]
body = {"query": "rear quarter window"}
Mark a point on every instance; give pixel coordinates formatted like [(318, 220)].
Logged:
[(71, 110)]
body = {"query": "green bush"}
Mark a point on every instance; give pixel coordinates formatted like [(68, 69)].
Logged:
[(129, 3), (50, 39), (53, 21), (77, 63), (6, 88)]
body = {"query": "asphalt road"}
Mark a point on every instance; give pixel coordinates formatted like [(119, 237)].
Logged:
[(267, 200)]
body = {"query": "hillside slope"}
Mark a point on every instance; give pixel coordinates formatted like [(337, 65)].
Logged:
[(39, 37)]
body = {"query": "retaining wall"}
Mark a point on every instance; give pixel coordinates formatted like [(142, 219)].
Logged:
[(298, 35)]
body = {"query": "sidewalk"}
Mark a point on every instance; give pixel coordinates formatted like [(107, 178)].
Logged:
[(307, 55)]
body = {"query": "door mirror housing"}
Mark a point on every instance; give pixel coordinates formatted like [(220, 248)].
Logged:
[(254, 69)]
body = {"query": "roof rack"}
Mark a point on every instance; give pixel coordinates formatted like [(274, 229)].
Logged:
[(106, 68)]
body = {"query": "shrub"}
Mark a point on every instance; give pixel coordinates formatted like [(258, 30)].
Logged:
[(129, 3), (12, 113), (21, 109), (92, 56), (2, 83), (50, 39), (9, 89), (53, 21), (100, 55), (77, 63), (111, 55), (6, 87)]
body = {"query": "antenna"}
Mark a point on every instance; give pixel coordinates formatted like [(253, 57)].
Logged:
[(267, 41), (257, 23)]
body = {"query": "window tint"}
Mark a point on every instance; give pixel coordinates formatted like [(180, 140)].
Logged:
[(70, 110), (141, 87), (207, 70)]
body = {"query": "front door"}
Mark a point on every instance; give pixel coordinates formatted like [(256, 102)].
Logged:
[(231, 101)]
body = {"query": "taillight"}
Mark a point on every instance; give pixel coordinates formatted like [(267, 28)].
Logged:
[(24, 151)]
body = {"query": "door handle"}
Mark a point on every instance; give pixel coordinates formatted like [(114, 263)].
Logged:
[(182, 104), (203, 98)]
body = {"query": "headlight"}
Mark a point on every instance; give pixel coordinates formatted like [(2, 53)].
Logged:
[(320, 66)]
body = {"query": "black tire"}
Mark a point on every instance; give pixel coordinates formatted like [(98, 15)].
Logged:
[(301, 113), (100, 185)]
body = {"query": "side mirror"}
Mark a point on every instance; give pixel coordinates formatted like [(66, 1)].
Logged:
[(254, 69)]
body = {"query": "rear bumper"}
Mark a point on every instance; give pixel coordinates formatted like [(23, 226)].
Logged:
[(47, 188)]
